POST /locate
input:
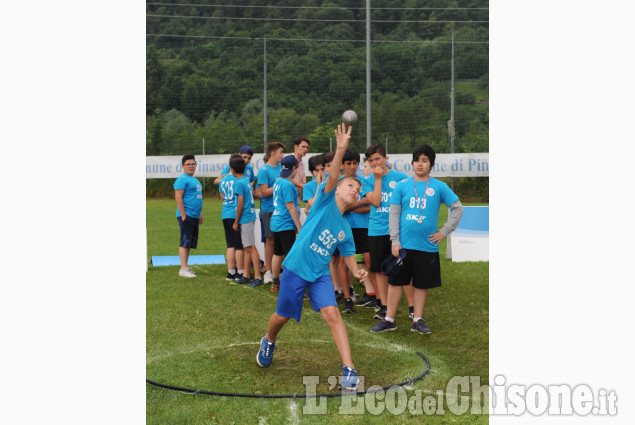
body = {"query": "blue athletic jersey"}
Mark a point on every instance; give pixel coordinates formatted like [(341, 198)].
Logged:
[(249, 172), (412, 234), (192, 197), (379, 216), (357, 220), (268, 175), (227, 185), (243, 187), (324, 230), (283, 191), (308, 190)]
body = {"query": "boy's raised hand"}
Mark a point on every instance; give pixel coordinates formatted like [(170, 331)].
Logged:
[(342, 135)]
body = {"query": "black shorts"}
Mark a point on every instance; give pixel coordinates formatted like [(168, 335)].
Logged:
[(379, 247), (232, 237), (189, 231), (360, 236), (423, 268), (283, 241)]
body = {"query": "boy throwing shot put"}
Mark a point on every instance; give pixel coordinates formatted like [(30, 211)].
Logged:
[(307, 264), (414, 212)]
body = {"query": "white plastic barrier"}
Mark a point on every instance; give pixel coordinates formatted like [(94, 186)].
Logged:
[(470, 241)]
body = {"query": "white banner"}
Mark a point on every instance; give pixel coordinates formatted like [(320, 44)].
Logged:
[(446, 165)]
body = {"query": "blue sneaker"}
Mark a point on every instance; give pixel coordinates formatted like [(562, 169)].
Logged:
[(349, 379), (265, 354), (383, 326), (256, 283), (241, 280), (421, 327)]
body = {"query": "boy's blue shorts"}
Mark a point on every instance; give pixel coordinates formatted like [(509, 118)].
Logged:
[(291, 295)]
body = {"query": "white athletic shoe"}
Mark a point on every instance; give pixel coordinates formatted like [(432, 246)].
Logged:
[(186, 273), (268, 277)]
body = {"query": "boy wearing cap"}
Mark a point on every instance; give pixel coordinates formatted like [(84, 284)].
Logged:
[(245, 221), (246, 152), (306, 265), (414, 213), (285, 221), (267, 176)]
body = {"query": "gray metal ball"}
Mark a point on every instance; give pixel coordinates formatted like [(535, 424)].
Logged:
[(349, 117)]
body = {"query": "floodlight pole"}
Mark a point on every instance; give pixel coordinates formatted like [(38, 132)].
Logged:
[(368, 116), (452, 111), (264, 111)]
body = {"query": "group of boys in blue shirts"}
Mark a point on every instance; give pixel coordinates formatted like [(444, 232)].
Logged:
[(329, 228)]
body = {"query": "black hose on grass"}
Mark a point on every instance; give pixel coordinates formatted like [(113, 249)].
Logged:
[(195, 391)]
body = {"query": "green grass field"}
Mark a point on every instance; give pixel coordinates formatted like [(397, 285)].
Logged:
[(204, 333)]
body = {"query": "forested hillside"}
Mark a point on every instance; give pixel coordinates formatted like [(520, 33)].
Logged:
[(205, 73)]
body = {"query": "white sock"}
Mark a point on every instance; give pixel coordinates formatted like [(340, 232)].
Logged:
[(390, 319), (416, 319), (232, 271)]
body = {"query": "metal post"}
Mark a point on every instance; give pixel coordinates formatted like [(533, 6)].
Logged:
[(368, 115), (330, 144), (452, 111), (203, 154), (264, 111), (386, 145)]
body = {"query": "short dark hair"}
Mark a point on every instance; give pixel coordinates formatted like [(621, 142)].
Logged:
[(351, 154), (237, 163), (424, 150), (273, 146), (316, 160), (328, 157), (186, 157), (299, 140), (376, 148)]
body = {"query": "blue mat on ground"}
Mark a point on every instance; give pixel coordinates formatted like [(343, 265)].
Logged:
[(174, 260)]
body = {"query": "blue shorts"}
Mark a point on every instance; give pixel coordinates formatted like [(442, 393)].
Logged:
[(189, 231), (291, 295)]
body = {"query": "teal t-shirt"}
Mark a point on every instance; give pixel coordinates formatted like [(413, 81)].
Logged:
[(379, 216), (283, 191), (192, 197), (243, 188), (324, 230), (268, 175), (414, 205), (227, 186), (249, 172)]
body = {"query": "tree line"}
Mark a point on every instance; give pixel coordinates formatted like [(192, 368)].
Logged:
[(213, 88)]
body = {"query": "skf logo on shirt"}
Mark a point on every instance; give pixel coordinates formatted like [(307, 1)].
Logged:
[(340, 236)]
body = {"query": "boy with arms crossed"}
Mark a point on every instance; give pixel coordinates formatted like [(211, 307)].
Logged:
[(306, 265), (357, 217), (285, 222), (414, 213), (267, 176)]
